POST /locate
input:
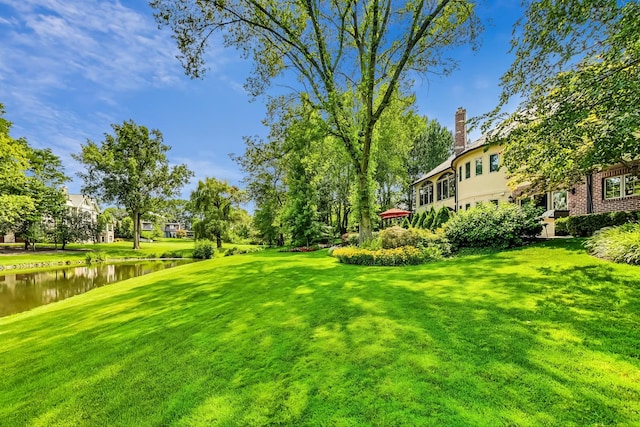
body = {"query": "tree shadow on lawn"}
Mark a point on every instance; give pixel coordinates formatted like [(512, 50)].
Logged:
[(328, 343)]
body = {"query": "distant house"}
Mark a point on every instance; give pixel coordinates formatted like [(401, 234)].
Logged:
[(473, 174), (79, 204), (169, 229)]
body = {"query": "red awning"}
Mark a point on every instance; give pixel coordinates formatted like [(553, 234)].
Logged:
[(394, 213)]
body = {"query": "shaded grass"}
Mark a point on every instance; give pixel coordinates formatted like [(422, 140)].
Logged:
[(544, 335)]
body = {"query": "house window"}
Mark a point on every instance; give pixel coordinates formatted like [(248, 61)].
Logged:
[(494, 162), (460, 174), (494, 201), (621, 186), (631, 185), (446, 186), (559, 200), (479, 166), (467, 170), (467, 206), (613, 187), (426, 194)]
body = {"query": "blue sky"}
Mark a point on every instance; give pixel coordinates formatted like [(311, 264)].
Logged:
[(71, 68)]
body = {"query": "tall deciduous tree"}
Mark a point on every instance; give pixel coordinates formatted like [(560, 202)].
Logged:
[(213, 204), (577, 71), (341, 50), (130, 168)]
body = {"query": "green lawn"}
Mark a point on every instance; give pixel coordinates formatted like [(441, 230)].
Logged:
[(116, 250), (544, 335)]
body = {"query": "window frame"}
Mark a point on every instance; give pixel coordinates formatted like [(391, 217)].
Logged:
[(467, 170), (491, 165), (623, 182), (479, 163), (446, 181)]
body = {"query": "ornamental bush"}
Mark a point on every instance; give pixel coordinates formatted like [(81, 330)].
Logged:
[(618, 244), (406, 255), (396, 237), (488, 225)]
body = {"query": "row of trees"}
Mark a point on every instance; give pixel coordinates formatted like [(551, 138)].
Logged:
[(129, 169), (303, 185), (32, 203), (576, 72)]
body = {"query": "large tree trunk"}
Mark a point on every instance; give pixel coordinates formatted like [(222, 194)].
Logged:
[(218, 241), (364, 205), (136, 229)]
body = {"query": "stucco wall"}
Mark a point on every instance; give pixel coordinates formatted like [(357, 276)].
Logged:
[(480, 188)]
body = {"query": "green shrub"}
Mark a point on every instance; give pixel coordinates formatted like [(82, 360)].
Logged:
[(427, 222), (95, 257), (586, 225), (406, 255), (203, 249), (561, 225), (396, 237), (406, 223), (618, 244), (414, 220), (487, 225)]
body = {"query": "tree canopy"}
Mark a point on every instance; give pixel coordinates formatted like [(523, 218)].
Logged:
[(577, 71), (350, 57), (214, 204), (130, 168), (30, 186)]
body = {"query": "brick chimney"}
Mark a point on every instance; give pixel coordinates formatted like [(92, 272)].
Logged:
[(460, 139)]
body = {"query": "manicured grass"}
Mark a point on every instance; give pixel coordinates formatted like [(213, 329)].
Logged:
[(116, 250), (544, 335)]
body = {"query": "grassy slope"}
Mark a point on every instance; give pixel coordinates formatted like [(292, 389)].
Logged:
[(542, 335), (116, 250)]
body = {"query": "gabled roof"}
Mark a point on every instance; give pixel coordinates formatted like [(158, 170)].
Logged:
[(77, 200)]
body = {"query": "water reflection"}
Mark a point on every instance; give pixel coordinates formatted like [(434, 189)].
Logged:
[(24, 291)]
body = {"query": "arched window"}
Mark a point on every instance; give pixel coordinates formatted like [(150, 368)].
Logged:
[(426, 194), (446, 186)]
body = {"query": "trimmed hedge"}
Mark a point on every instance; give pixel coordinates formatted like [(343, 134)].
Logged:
[(618, 244), (406, 255), (586, 225)]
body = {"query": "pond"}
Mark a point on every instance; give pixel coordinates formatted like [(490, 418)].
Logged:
[(24, 291)]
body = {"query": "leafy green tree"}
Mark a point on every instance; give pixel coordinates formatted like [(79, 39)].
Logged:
[(428, 222), (213, 204), (577, 72), (264, 164), (130, 168), (73, 227), (14, 162), (352, 57)]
